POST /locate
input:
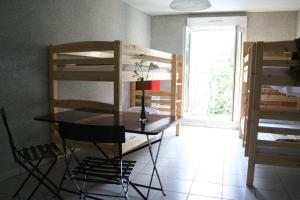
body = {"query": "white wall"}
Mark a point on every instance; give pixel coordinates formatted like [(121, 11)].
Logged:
[(167, 31), (298, 25), (271, 26), (27, 28)]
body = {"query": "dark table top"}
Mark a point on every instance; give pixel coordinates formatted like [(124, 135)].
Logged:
[(155, 124)]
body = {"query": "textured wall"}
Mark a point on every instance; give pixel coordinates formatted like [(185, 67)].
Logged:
[(298, 25), (27, 28), (272, 26), (168, 31)]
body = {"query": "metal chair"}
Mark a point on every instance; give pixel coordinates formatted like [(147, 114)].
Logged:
[(94, 169), (30, 158)]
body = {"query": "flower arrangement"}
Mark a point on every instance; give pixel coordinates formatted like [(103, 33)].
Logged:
[(139, 73)]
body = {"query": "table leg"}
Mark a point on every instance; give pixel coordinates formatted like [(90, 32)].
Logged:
[(154, 161)]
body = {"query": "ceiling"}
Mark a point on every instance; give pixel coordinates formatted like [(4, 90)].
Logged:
[(161, 7)]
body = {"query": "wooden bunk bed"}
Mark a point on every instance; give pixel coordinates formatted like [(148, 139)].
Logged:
[(270, 68), (270, 98), (113, 61)]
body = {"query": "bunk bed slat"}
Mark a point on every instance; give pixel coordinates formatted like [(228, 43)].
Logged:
[(278, 130), (160, 101), (282, 46), (279, 80), (152, 58), (133, 49), (281, 63), (76, 104), (154, 93), (285, 161), (84, 76), (291, 115), (127, 76), (292, 145), (84, 46), (87, 61)]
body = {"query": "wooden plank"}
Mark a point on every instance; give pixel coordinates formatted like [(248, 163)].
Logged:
[(154, 93), (152, 58), (277, 107), (131, 60), (89, 61), (118, 87), (280, 98), (281, 46), (86, 54), (281, 63), (76, 104), (278, 55), (83, 76), (134, 49), (279, 144), (159, 101), (292, 115), (279, 129), (173, 85), (133, 94), (84, 46), (53, 93), (127, 76), (279, 80), (92, 68), (162, 109), (277, 160)]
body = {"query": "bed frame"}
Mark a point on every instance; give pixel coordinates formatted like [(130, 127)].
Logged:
[(267, 61), (105, 61), (270, 98)]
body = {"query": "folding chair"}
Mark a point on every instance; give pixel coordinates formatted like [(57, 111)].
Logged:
[(30, 158), (95, 169)]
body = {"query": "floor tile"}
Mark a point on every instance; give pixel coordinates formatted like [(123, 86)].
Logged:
[(174, 185), (268, 184), (237, 193), (206, 189), (197, 197), (234, 180), (210, 177), (170, 196), (270, 195)]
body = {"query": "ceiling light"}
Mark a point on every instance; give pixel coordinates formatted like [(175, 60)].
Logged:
[(190, 5)]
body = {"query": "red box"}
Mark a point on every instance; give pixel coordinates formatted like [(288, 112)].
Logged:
[(149, 85)]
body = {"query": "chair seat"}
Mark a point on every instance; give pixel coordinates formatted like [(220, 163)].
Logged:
[(103, 171), (34, 153)]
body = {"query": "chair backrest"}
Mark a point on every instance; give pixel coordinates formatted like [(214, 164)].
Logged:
[(92, 133), (11, 141)]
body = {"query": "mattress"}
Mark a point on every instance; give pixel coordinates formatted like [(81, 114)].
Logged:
[(290, 91), (278, 124)]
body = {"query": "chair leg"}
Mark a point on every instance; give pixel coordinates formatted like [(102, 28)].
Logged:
[(27, 178), (42, 179), (39, 179), (46, 178), (154, 161)]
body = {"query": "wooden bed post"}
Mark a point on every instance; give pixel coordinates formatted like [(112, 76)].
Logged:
[(179, 92), (133, 94), (52, 91), (174, 90), (255, 111), (118, 86)]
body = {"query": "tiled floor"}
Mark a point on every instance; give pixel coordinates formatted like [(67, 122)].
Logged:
[(201, 164)]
